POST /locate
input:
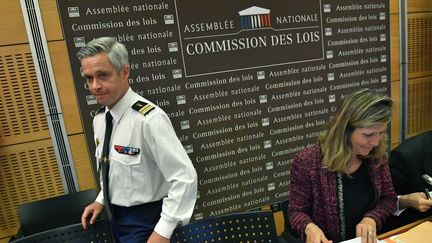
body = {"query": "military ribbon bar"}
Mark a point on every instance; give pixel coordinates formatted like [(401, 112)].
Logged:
[(126, 150)]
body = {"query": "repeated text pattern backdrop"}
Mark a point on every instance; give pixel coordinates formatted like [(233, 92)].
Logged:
[(247, 84)]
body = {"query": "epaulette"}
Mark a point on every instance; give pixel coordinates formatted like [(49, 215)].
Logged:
[(100, 110), (143, 107)]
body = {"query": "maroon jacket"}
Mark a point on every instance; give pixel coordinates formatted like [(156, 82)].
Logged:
[(314, 195)]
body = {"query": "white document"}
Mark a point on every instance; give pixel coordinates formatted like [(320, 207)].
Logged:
[(358, 240)]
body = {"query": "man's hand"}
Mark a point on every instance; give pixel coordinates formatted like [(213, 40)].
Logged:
[(416, 200), (314, 234), (93, 210), (157, 238), (366, 229)]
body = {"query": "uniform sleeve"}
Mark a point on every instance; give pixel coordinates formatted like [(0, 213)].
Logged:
[(176, 168), (300, 196)]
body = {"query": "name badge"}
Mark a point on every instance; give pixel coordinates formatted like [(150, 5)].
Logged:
[(126, 150)]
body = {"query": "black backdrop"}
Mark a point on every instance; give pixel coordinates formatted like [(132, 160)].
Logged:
[(247, 84)]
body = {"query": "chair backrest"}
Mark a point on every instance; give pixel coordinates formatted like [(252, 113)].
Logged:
[(288, 234), (284, 207), (254, 226), (41, 215), (98, 232)]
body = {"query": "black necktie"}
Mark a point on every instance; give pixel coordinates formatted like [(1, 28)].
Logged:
[(105, 162)]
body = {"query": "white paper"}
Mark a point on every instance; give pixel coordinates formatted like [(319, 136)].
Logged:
[(358, 240)]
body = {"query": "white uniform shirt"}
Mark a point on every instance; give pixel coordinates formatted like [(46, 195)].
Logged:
[(161, 169)]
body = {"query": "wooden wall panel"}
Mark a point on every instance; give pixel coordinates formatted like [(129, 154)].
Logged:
[(395, 123), (394, 45), (12, 28), (82, 162), (419, 105), (65, 86), (419, 68), (28, 172), (395, 71), (29, 169), (51, 20), (419, 45), (419, 5), (394, 6), (412, 6), (23, 116)]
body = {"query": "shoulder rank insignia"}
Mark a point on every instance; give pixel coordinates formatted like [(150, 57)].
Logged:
[(126, 150), (100, 109), (142, 107)]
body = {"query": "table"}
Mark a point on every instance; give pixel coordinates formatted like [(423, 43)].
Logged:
[(403, 228)]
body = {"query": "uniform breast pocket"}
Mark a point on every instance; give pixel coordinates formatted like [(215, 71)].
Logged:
[(126, 159), (126, 170)]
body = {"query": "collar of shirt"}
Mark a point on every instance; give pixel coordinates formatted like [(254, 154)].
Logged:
[(122, 105)]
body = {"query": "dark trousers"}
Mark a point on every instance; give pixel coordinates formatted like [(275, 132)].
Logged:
[(136, 223)]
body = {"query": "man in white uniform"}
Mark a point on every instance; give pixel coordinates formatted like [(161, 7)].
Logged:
[(150, 184)]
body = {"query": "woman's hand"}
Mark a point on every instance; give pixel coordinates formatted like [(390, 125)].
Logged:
[(314, 234), (366, 229)]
